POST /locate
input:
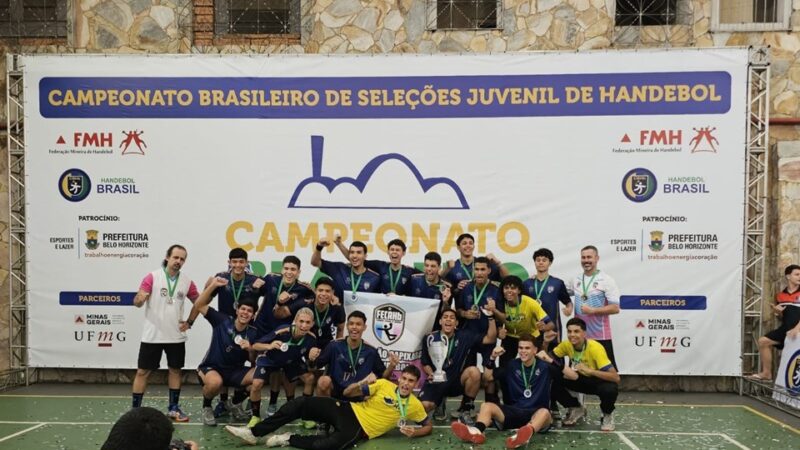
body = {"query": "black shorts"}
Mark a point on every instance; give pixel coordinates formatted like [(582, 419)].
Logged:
[(778, 335), (150, 355), (230, 377), (437, 392)]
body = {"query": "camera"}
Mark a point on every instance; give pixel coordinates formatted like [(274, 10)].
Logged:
[(178, 444)]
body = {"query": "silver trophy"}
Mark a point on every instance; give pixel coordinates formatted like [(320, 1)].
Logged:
[(437, 349)]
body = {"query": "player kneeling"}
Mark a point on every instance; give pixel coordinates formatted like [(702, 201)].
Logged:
[(526, 395)]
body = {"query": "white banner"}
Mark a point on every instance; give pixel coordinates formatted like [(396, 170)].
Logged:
[(787, 383), (395, 324), (639, 153)]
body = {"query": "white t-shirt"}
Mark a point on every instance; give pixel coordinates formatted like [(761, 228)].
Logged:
[(163, 313)]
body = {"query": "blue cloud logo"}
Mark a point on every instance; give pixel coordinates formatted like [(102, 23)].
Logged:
[(389, 181)]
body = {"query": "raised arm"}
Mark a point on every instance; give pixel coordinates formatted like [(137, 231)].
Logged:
[(340, 245), (202, 302), (316, 257)]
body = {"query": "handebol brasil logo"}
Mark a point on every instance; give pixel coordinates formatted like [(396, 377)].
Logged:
[(793, 374), (639, 185), (74, 185)]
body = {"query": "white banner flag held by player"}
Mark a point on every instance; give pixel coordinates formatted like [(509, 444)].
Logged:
[(395, 323), (789, 373)]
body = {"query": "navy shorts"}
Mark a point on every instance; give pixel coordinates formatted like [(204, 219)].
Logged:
[(437, 392), (292, 372), (515, 417), (230, 377)]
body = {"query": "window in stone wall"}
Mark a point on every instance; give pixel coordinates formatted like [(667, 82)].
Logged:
[(751, 15), (33, 18), (249, 17), (465, 14), (645, 12)]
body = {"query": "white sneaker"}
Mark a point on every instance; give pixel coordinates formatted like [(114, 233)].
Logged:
[(271, 410), (573, 415), (279, 440), (242, 433), (607, 423), (208, 417)]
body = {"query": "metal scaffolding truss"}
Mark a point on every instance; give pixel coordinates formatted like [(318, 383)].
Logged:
[(18, 292), (754, 280)]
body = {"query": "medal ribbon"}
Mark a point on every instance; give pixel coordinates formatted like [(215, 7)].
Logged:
[(578, 357), (237, 292), (450, 342), (316, 316), (470, 273), (476, 298), (350, 354), (355, 283), (526, 380), (540, 289), (393, 282), (515, 316), (235, 333), (280, 289), (300, 342), (583, 284), (171, 286), (400, 406)]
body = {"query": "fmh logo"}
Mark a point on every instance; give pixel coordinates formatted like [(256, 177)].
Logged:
[(704, 140), (389, 322), (639, 185), (133, 137), (93, 141), (74, 185)]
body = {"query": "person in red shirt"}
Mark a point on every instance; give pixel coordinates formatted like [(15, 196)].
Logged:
[(787, 308)]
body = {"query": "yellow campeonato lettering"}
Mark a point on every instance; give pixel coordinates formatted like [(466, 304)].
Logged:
[(509, 237), (117, 97)]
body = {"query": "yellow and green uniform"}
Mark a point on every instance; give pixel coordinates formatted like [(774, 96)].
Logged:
[(380, 412), (593, 354), (523, 318)]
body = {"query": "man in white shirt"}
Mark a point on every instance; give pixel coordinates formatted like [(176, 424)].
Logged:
[(164, 326)]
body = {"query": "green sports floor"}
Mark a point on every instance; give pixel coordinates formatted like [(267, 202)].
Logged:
[(79, 417)]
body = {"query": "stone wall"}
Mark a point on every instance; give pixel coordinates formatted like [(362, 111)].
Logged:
[(405, 26)]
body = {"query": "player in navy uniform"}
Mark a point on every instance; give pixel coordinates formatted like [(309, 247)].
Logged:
[(353, 277), (526, 406), (459, 272), (395, 276), (284, 294), (547, 289), (350, 360), (480, 299), (328, 318), (287, 349), (430, 285), (461, 379), (231, 338), (240, 284)]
